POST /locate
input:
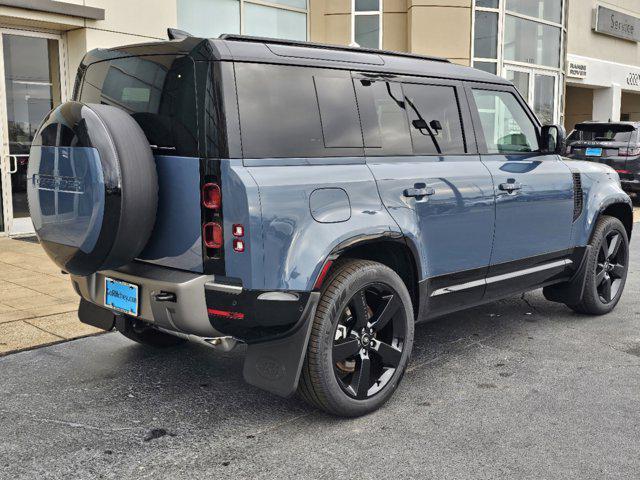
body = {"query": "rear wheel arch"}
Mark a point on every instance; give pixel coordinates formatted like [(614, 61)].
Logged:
[(393, 252)]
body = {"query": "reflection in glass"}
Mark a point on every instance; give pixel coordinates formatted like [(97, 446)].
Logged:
[(543, 95), (263, 21), (531, 42), (367, 30), (486, 35), (32, 79), (505, 124), (550, 10), (487, 3)]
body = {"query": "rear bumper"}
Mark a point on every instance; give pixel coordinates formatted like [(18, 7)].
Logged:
[(196, 304)]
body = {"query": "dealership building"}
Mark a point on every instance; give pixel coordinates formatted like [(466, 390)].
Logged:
[(571, 59)]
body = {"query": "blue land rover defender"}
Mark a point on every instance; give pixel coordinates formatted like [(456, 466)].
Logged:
[(312, 202)]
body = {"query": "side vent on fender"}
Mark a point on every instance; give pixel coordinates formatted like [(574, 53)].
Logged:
[(578, 197)]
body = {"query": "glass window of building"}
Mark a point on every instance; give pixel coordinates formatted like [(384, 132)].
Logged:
[(522, 40), (366, 23), (211, 18)]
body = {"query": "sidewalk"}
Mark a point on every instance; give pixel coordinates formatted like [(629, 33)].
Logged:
[(37, 303)]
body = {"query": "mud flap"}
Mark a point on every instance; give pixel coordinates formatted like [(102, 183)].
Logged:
[(96, 316), (275, 365), (571, 292)]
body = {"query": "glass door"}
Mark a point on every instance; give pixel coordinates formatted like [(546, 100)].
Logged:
[(30, 86), (539, 88)]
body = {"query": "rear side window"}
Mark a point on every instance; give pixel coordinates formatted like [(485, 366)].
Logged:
[(158, 91), (289, 112), (435, 121), (384, 120)]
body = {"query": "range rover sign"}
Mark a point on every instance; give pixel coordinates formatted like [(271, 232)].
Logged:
[(617, 24)]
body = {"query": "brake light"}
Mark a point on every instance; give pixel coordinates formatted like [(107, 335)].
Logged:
[(623, 171), (238, 230), (238, 245), (629, 151), (211, 196), (212, 234)]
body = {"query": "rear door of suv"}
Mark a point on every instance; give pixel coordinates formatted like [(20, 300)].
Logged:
[(420, 147)]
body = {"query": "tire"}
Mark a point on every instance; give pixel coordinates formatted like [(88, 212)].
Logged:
[(148, 336), (606, 263), (334, 386), (92, 187)]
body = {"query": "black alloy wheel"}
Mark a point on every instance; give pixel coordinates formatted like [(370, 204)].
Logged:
[(369, 340), (611, 268)]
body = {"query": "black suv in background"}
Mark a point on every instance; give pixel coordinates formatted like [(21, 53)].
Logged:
[(616, 144)]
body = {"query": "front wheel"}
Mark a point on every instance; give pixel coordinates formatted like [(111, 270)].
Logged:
[(606, 269), (360, 341)]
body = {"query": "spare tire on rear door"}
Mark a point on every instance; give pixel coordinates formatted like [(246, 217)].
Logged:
[(92, 187)]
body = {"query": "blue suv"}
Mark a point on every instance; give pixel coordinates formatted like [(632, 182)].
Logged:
[(312, 202)]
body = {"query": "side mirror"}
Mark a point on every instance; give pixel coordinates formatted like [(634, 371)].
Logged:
[(553, 139)]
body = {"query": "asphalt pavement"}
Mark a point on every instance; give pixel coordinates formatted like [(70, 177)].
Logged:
[(520, 388)]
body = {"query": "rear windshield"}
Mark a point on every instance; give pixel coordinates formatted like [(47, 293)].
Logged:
[(601, 133), (158, 91)]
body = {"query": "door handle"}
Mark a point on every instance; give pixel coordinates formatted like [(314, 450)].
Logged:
[(419, 192), (510, 187)]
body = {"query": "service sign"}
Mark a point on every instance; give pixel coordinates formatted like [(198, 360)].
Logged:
[(617, 24)]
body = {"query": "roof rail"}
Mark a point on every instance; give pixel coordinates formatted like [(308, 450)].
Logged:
[(298, 43)]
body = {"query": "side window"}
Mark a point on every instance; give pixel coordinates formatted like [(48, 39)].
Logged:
[(506, 126), (158, 91), (434, 114), (384, 119), (280, 116), (338, 112)]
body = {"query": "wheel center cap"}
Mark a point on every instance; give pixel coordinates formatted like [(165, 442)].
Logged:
[(365, 340)]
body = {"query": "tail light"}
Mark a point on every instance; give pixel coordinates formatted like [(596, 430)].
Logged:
[(211, 196), (212, 234), (629, 151), (623, 171)]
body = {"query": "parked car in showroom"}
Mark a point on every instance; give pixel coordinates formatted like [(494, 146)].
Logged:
[(313, 202), (616, 144)]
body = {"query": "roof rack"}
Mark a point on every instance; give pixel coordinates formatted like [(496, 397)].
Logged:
[(297, 43)]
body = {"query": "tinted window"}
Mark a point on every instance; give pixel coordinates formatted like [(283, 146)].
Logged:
[(602, 132), (506, 126), (280, 116), (158, 91), (435, 122), (338, 112), (384, 120)]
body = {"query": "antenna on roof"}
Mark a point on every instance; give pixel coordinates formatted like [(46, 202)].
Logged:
[(176, 34)]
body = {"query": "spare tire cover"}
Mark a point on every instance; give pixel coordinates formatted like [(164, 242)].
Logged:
[(92, 187)]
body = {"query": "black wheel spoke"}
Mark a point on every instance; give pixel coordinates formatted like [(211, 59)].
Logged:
[(360, 309), (389, 355), (344, 349), (604, 251), (600, 276), (606, 289), (617, 271), (361, 378), (614, 246), (391, 306)]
